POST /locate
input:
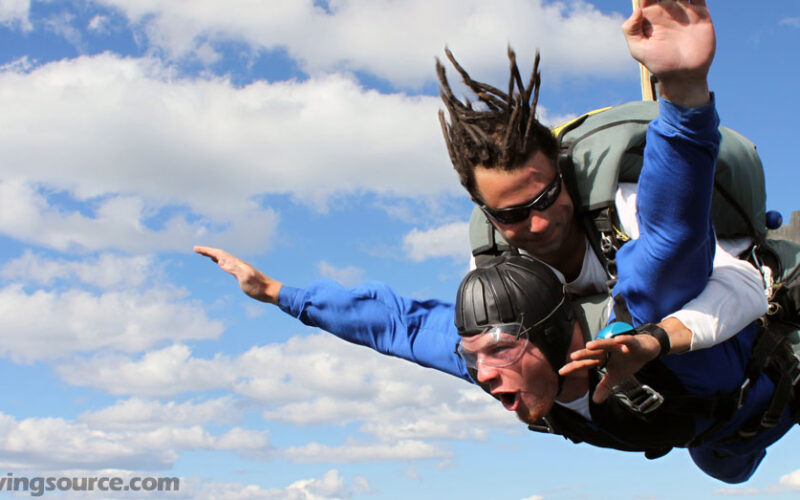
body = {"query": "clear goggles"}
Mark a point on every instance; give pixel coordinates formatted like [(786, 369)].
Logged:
[(500, 345)]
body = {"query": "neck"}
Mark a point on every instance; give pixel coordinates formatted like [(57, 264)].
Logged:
[(569, 260)]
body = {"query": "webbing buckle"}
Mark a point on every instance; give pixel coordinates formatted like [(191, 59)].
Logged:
[(640, 398), (542, 425), (742, 393), (794, 372)]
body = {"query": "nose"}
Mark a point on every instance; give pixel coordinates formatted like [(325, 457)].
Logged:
[(485, 372), (537, 222)]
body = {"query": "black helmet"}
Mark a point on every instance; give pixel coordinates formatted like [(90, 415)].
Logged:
[(517, 289)]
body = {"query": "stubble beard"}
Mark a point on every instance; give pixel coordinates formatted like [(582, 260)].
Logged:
[(533, 407)]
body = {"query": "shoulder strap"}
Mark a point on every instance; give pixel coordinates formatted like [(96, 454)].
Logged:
[(485, 240)]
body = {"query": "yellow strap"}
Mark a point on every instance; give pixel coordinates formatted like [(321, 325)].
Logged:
[(557, 129)]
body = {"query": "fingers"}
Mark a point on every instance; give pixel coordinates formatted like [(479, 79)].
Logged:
[(602, 391), (667, 3), (578, 365), (632, 27), (223, 259), (614, 344), (212, 253)]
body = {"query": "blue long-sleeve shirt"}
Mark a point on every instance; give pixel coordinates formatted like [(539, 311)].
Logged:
[(373, 315)]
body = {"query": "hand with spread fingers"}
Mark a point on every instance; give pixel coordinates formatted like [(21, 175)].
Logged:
[(252, 281), (622, 356), (675, 40)]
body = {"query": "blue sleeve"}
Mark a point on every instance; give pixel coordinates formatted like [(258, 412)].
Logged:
[(373, 315), (670, 262)]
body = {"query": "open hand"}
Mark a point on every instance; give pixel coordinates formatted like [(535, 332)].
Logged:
[(675, 40), (623, 356), (252, 281)]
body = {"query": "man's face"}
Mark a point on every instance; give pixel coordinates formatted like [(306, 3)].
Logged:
[(543, 233), (527, 387)]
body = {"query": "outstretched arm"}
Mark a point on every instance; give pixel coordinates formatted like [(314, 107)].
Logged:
[(371, 314)]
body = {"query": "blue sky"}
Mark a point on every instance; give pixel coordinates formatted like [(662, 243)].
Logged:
[(303, 136)]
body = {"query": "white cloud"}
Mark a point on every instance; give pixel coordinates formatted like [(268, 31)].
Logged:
[(52, 443), (339, 384), (99, 24), (62, 24), (347, 276), (15, 13), (791, 21), (164, 372), (402, 450), (118, 223), (734, 492), (77, 320), (107, 271), (142, 414), (129, 127), (138, 144), (450, 240), (329, 486), (394, 40), (791, 481)]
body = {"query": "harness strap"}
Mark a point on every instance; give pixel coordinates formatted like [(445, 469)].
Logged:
[(784, 369)]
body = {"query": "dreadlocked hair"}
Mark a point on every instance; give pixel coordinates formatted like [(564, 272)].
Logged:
[(500, 133)]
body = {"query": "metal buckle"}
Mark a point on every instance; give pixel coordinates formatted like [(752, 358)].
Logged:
[(794, 371), (742, 392), (640, 398), (542, 425)]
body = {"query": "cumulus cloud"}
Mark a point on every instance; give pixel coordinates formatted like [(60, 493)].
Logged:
[(450, 240), (340, 383), (78, 320), (347, 276), (373, 36), (107, 271), (791, 481), (118, 222), (142, 414), (743, 492), (402, 450), (148, 161), (129, 128), (15, 13), (54, 443), (329, 486), (164, 372)]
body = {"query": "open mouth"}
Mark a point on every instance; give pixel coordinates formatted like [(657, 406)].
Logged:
[(509, 400)]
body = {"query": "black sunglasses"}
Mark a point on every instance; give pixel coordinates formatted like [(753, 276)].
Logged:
[(519, 213)]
